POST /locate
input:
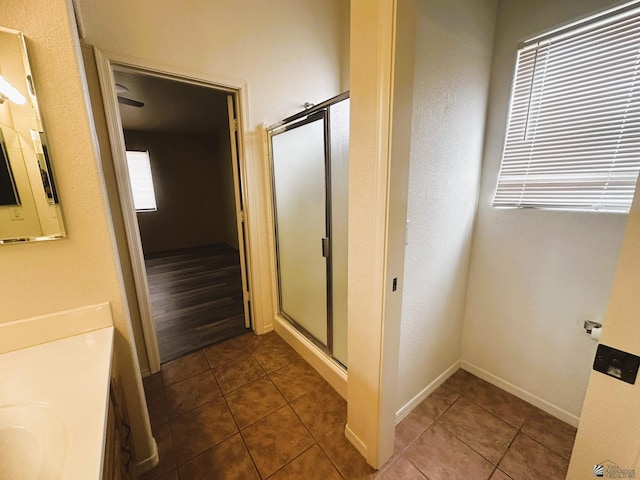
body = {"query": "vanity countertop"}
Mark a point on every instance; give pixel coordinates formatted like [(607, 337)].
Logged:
[(69, 379)]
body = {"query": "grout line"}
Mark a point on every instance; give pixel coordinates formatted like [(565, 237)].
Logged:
[(238, 431), (335, 465), (518, 430), (287, 404), (506, 450), (543, 445), (291, 461)]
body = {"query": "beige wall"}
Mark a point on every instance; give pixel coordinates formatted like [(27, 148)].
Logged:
[(289, 52), (193, 183), (453, 62), (39, 278), (535, 275), (381, 69), (284, 53)]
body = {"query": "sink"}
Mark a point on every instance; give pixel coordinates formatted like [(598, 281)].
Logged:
[(32, 442)]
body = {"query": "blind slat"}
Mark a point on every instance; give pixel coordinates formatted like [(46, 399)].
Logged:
[(573, 137)]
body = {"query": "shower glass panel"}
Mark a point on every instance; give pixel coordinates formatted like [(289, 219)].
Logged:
[(339, 159), (310, 167), (300, 191)]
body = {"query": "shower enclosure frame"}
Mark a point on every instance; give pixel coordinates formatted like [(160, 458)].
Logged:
[(312, 114)]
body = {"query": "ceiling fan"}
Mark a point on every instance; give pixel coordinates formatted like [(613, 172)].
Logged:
[(126, 101)]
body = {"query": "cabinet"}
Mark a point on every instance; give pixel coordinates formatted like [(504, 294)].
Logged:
[(119, 460)]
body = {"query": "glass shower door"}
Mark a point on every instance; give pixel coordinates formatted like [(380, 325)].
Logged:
[(300, 171)]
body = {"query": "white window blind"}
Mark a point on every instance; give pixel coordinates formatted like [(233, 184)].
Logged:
[(144, 197), (573, 137)]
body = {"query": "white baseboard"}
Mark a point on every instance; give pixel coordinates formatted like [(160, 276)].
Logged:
[(266, 329), (151, 461), (522, 394), (320, 361), (355, 441), (425, 392)]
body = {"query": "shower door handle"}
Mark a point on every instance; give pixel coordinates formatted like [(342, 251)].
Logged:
[(325, 247)]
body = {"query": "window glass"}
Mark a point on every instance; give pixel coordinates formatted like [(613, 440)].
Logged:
[(144, 197)]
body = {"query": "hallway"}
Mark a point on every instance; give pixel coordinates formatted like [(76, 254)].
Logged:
[(251, 408)]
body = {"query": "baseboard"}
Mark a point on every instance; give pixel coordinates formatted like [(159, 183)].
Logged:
[(355, 441), (522, 394), (149, 462), (145, 372), (425, 392), (319, 360)]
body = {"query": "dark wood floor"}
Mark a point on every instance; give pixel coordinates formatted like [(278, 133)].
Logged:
[(196, 298)]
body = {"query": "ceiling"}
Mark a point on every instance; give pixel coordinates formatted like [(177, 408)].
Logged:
[(171, 106)]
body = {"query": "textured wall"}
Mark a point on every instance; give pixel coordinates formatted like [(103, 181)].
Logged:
[(453, 60), (535, 275), (285, 54), (39, 278), (288, 51)]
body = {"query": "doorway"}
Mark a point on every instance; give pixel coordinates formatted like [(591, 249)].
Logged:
[(188, 253)]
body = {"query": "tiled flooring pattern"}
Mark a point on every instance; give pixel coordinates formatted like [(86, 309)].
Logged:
[(251, 408)]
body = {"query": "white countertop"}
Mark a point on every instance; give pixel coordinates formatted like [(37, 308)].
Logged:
[(71, 377)]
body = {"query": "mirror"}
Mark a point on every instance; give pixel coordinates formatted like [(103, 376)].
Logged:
[(29, 204)]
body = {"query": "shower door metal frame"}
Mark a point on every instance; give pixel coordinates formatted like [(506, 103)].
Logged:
[(299, 119)]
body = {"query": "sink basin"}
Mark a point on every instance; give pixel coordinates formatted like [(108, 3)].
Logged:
[(32, 442)]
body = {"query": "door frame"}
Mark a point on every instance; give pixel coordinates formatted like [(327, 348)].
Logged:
[(310, 116), (106, 62)]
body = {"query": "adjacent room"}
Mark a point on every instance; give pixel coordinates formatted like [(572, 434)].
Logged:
[(180, 169)]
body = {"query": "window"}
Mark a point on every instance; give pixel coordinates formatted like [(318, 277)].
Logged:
[(573, 136), (144, 197)]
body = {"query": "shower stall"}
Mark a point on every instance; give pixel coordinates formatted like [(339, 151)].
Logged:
[(310, 169)]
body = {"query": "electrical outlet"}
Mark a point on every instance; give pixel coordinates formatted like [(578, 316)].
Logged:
[(15, 213)]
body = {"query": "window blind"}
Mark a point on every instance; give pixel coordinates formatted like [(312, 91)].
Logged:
[(573, 135), (144, 197)]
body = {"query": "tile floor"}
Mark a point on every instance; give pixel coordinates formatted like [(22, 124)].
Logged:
[(251, 408)]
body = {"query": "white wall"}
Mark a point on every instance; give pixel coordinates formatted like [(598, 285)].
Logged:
[(535, 275), (80, 270), (453, 60), (286, 52)]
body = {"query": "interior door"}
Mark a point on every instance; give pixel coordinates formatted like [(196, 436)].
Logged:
[(300, 172), (240, 214)]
